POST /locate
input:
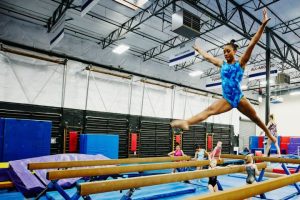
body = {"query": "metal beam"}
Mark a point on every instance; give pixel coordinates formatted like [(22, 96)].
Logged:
[(288, 53), (32, 55), (268, 66), (283, 23), (58, 13), (260, 4), (215, 52), (178, 40), (283, 26), (154, 9), (167, 45)]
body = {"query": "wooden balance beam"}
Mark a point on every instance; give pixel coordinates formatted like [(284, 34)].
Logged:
[(251, 190), (123, 184), (6, 184), (270, 174), (88, 163), (261, 158), (100, 171)]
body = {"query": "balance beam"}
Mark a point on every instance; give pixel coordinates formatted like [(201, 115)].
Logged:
[(261, 158), (100, 171), (88, 163), (123, 184), (251, 190), (6, 184), (273, 175), (270, 174)]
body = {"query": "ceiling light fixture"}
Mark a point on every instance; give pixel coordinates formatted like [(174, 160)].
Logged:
[(121, 49), (133, 4), (244, 87), (265, 82), (195, 73), (295, 93)]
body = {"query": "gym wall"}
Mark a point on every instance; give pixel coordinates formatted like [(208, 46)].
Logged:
[(286, 115)]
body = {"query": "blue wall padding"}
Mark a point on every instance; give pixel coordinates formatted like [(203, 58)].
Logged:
[(253, 142), (105, 144), (24, 138)]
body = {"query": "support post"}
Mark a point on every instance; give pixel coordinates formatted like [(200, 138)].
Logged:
[(284, 167), (261, 175), (268, 55), (219, 186)]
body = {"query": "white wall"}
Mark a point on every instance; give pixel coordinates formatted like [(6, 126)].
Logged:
[(32, 81), (286, 115)]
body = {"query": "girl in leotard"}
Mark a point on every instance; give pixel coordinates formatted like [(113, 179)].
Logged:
[(200, 154), (216, 153), (177, 152), (232, 71), (251, 170), (272, 126), (212, 181)]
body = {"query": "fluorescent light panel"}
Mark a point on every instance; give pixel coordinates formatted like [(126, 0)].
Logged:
[(265, 82), (133, 4), (244, 87), (121, 49), (196, 73), (295, 93)]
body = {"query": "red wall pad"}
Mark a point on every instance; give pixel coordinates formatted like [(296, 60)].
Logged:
[(178, 139), (73, 140), (209, 143), (260, 142), (133, 141)]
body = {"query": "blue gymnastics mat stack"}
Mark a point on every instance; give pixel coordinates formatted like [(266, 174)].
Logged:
[(22, 138), (105, 144)]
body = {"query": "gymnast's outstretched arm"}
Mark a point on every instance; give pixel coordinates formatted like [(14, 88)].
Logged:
[(210, 58), (247, 54)]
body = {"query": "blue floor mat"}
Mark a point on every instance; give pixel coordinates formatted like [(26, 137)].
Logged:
[(12, 195), (145, 193), (237, 180), (184, 190)]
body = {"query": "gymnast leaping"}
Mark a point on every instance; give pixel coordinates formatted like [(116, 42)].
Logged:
[(232, 71)]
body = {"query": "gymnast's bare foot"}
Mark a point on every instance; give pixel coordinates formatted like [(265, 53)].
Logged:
[(183, 124)]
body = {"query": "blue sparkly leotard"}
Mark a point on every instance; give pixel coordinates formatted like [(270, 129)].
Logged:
[(232, 75)]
